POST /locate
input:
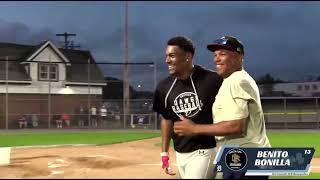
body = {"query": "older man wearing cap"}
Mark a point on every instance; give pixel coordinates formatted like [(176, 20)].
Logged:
[(237, 110)]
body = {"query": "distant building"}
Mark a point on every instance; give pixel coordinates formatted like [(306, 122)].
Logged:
[(35, 72), (302, 89)]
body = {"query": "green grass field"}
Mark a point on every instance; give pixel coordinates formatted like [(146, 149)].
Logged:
[(296, 139), (54, 138)]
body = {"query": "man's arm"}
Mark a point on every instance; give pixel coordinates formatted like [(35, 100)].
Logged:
[(166, 133), (234, 127), (186, 127)]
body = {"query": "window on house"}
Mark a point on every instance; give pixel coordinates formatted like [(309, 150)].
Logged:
[(306, 87), (48, 72), (299, 88), (315, 87)]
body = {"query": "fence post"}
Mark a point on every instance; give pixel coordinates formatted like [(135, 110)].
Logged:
[(154, 89), (49, 96), (317, 110), (89, 95), (124, 121), (285, 112), (7, 91)]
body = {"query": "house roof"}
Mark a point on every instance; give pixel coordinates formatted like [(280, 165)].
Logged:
[(44, 45), (79, 70), (18, 53)]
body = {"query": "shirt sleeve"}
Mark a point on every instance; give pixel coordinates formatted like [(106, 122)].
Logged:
[(240, 92), (232, 103)]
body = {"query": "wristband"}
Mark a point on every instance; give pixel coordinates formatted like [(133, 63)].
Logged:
[(164, 154)]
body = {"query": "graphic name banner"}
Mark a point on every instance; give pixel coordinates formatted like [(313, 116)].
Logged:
[(264, 161)]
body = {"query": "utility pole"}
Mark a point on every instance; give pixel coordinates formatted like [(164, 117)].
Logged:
[(66, 35), (126, 95)]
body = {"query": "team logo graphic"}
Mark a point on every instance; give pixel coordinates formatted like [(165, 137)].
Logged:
[(236, 159), (187, 104)]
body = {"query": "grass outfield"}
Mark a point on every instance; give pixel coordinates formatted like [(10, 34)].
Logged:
[(296, 139), (56, 138), (277, 138)]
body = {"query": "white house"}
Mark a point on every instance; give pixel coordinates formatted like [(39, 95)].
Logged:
[(44, 79)]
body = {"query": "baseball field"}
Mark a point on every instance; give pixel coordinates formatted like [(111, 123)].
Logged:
[(111, 154)]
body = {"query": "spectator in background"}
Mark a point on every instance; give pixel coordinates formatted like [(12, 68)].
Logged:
[(93, 116), (66, 118), (22, 121), (28, 119), (117, 109), (58, 120), (81, 117), (117, 113), (103, 115), (34, 120)]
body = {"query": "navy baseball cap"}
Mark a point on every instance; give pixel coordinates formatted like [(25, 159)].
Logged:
[(226, 42)]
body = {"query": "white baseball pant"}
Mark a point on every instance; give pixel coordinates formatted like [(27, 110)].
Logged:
[(197, 164)]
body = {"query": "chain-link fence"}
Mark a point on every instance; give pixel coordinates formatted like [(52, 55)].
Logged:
[(85, 94), (291, 112), (53, 94)]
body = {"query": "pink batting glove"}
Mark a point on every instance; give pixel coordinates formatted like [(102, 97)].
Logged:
[(165, 163)]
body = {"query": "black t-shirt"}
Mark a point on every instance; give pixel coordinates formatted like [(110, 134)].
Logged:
[(192, 98)]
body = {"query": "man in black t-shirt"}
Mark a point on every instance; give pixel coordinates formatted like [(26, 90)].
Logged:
[(189, 91)]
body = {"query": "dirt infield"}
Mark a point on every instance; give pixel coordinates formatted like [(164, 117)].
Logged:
[(138, 159)]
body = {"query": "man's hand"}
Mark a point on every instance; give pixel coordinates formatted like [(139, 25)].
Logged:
[(185, 127), (165, 163)]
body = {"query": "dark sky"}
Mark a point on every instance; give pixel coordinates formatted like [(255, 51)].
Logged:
[(280, 38)]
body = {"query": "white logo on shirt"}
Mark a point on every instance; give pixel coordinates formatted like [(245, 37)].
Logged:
[(187, 104)]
